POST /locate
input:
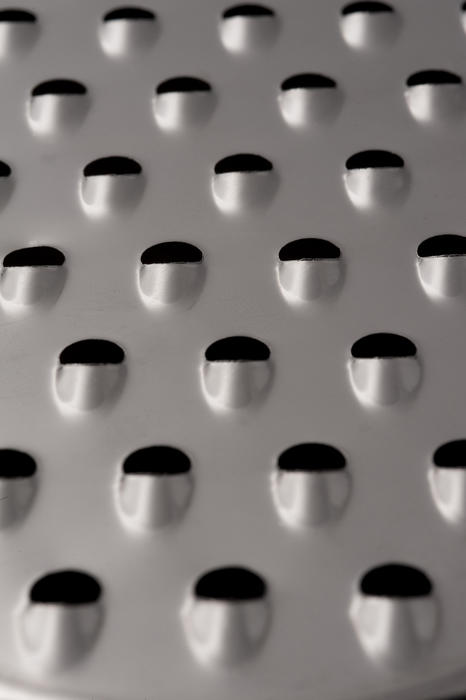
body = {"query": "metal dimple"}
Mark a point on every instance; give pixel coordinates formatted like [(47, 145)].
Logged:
[(310, 99), (60, 621), (248, 28), (395, 614), (226, 616), (128, 30), (369, 26), (89, 374), (57, 106)]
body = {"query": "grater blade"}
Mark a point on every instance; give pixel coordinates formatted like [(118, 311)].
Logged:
[(232, 444)]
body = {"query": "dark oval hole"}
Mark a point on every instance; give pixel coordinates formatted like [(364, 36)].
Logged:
[(383, 345), (130, 13), (66, 588), (309, 249), (374, 159), (451, 455), (59, 86), (183, 84), (35, 256), (92, 352), (17, 16), (5, 170), (159, 460), (243, 163), (112, 165), (15, 464), (171, 252), (237, 348), (433, 77), (248, 11), (311, 457), (230, 583), (447, 244), (308, 81), (368, 7), (395, 581)]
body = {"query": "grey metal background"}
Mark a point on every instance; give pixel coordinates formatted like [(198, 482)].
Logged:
[(311, 651)]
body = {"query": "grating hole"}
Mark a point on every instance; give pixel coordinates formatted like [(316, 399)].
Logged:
[(232, 583), (433, 77), (451, 455), (92, 352), (367, 7), (248, 11), (66, 588), (183, 84), (129, 13), (15, 464), (311, 457), (158, 460), (5, 170), (308, 81), (374, 159), (395, 581), (35, 256), (383, 345), (447, 244), (171, 252), (243, 163), (59, 86), (14, 15), (237, 348), (309, 249), (112, 165)]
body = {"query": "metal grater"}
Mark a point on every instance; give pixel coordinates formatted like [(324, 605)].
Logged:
[(233, 443)]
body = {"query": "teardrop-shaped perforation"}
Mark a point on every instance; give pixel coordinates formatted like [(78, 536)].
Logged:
[(309, 249), (34, 256), (243, 163), (395, 581), (130, 13), (444, 245), (67, 587), (157, 460), (171, 252), (237, 349), (308, 81), (451, 455), (92, 352), (383, 345), (59, 86), (5, 170), (15, 464), (183, 84), (433, 77), (232, 584), (311, 457), (16, 16), (367, 7), (248, 11), (374, 159), (113, 166)]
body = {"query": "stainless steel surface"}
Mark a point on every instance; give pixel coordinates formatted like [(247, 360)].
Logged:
[(312, 538)]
